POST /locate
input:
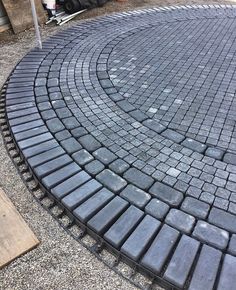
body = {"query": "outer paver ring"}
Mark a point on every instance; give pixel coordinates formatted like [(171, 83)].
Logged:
[(83, 119)]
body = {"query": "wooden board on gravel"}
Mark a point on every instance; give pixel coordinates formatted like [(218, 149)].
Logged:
[(16, 238), (19, 13)]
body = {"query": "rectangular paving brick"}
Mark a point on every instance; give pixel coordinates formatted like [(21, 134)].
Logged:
[(228, 274), (30, 133), (211, 234), (195, 207), (182, 261), (173, 135), (204, 275), (81, 193), (194, 145), (104, 155), (16, 101), (138, 241), (71, 145), (135, 195), (45, 156), (52, 165), (180, 220), (34, 140), (91, 206), (27, 126), (89, 143), (24, 119), (121, 229), (61, 174), (157, 208), (40, 148), (21, 113), (160, 249), (111, 180), (223, 219), (125, 106), (106, 216), (138, 178), (154, 125), (70, 184), (166, 193)]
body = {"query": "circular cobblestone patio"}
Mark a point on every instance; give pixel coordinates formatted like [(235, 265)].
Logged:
[(128, 121)]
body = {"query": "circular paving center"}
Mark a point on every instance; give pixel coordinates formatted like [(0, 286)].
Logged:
[(183, 75), (128, 122)]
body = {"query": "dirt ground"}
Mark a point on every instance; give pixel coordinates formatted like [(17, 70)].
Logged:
[(59, 262)]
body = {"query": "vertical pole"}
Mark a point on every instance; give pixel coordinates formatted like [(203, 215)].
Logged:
[(36, 25)]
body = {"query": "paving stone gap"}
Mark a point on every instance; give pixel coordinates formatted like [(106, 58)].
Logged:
[(130, 125)]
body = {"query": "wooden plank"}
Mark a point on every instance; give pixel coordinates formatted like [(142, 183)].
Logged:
[(16, 238), (19, 13)]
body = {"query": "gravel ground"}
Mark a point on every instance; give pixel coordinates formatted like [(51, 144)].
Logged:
[(59, 262)]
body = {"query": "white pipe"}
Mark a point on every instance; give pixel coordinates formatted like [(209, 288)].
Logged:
[(36, 25)]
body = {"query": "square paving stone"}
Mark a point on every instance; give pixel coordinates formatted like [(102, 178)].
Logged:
[(62, 135), (139, 240), (122, 228), (157, 208), (94, 167), (230, 158), (138, 178), (119, 166), (55, 125), (71, 123), (111, 180), (211, 234), (180, 220), (71, 145), (79, 132), (89, 143), (82, 157), (104, 155), (195, 207), (166, 193), (135, 195)]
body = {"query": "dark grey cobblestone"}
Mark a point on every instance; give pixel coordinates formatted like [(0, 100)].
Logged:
[(135, 195), (180, 220), (127, 147), (195, 207), (211, 234)]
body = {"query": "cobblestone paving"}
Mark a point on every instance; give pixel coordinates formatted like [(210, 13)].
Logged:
[(128, 121)]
